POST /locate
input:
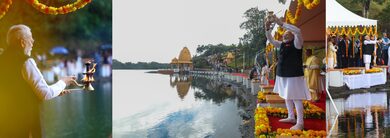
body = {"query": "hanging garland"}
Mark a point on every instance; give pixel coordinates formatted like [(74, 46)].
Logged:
[(4, 7), (46, 9), (310, 5), (369, 30), (59, 10), (269, 48), (293, 19)]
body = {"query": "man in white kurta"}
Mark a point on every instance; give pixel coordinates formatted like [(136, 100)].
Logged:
[(331, 54), (23, 87), (290, 82), (368, 50)]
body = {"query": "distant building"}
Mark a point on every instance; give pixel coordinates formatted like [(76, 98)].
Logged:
[(184, 63), (229, 58)]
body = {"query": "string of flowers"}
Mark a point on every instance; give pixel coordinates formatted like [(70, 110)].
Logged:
[(4, 7), (293, 19), (310, 111), (300, 133), (262, 127), (374, 70), (351, 72), (352, 30), (59, 10), (310, 5)]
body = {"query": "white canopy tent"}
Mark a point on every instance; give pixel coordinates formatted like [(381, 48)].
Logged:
[(337, 15)]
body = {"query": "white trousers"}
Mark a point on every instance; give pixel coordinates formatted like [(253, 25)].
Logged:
[(298, 106), (330, 63), (367, 61)]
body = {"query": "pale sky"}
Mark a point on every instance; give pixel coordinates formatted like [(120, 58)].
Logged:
[(156, 30)]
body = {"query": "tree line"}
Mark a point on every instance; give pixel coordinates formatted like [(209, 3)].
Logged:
[(139, 65), (372, 9), (251, 43)]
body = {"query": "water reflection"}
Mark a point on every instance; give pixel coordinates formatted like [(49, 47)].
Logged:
[(190, 106), (79, 114), (182, 84), (363, 115), (213, 89)]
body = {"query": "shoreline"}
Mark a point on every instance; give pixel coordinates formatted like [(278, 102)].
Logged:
[(248, 103), (344, 91)]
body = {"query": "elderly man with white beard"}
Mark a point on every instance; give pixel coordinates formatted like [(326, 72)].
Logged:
[(22, 86), (290, 82)]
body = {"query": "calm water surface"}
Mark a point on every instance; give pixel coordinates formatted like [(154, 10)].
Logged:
[(80, 114), (155, 105), (363, 115)]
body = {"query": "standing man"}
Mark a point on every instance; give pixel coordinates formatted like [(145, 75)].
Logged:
[(343, 47), (331, 53), (23, 87), (290, 82), (357, 59), (368, 50), (312, 74), (340, 52), (379, 54), (349, 50), (385, 42)]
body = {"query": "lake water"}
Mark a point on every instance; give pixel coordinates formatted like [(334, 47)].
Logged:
[(155, 105), (363, 115), (80, 114)]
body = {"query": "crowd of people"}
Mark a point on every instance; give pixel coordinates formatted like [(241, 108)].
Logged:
[(67, 65), (365, 51)]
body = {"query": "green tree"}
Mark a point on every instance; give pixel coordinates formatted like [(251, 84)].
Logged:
[(365, 8), (254, 39)]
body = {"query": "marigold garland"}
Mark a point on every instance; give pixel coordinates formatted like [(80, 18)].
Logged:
[(4, 7), (298, 10), (300, 133), (313, 112), (263, 128), (59, 10), (294, 19), (310, 5), (374, 70), (369, 30)]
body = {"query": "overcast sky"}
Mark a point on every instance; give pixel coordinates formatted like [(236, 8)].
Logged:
[(156, 30)]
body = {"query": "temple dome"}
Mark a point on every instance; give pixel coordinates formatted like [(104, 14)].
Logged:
[(185, 56), (229, 55), (174, 61)]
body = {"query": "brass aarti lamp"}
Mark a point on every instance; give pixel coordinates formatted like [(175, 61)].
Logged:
[(88, 78)]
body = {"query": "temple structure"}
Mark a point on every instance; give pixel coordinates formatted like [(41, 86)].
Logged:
[(229, 58), (183, 64)]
